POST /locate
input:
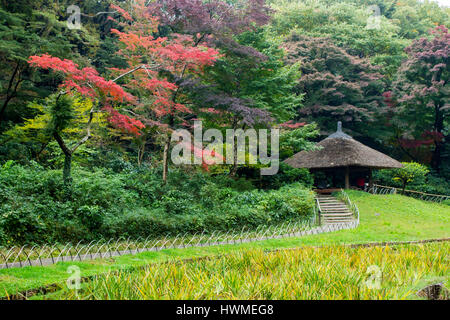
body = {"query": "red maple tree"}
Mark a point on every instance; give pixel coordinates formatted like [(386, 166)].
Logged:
[(104, 94), (88, 83), (156, 100), (157, 66)]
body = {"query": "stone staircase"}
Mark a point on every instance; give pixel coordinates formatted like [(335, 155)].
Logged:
[(333, 210)]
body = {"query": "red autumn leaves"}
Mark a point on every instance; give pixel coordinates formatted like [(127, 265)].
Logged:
[(177, 55), (88, 83)]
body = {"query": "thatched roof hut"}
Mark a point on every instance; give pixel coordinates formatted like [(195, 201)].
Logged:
[(340, 150)]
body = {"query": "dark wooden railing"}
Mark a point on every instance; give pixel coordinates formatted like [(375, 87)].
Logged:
[(380, 189)]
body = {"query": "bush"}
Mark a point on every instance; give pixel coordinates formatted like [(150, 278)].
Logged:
[(287, 175), (420, 179), (410, 172), (218, 209), (433, 184), (134, 203)]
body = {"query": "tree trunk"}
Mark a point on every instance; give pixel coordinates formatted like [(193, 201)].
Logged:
[(436, 157), (235, 156), (404, 188), (38, 154), (438, 127), (166, 159), (141, 152), (67, 170), (347, 178), (9, 94)]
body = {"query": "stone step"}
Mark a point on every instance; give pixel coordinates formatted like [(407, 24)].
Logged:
[(336, 222), (340, 214), (334, 207), (333, 214), (337, 218), (332, 203), (333, 210)]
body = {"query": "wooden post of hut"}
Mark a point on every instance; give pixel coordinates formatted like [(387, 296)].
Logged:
[(347, 177), (338, 152), (370, 178)]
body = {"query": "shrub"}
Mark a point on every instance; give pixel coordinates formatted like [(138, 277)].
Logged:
[(433, 184), (410, 172), (422, 180), (287, 175), (134, 203)]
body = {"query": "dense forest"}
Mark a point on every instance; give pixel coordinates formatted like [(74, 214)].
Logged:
[(88, 103)]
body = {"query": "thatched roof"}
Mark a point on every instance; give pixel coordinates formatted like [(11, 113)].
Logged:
[(341, 150)]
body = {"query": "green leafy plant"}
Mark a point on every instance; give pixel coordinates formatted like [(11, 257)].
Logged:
[(410, 172), (332, 272)]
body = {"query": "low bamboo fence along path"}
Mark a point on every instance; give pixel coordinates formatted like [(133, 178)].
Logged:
[(43, 290), (380, 189), (17, 257)]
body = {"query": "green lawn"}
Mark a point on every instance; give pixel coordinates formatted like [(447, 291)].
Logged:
[(383, 218)]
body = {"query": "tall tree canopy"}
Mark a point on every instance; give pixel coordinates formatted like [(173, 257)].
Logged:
[(422, 93), (231, 63), (336, 85)]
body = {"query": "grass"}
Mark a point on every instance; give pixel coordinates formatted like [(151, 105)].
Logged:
[(334, 272), (383, 218)]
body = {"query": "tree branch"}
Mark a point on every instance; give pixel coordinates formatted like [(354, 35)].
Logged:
[(8, 96), (88, 131), (61, 143), (133, 70)]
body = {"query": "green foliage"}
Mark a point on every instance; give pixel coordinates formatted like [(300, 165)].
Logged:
[(33, 207), (433, 183), (410, 173), (384, 218), (215, 208), (287, 175), (421, 94), (336, 84), (29, 28), (347, 23), (296, 140), (62, 114), (256, 75), (110, 197), (332, 272), (268, 84)]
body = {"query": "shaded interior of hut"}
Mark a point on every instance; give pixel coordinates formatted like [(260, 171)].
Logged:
[(330, 178)]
